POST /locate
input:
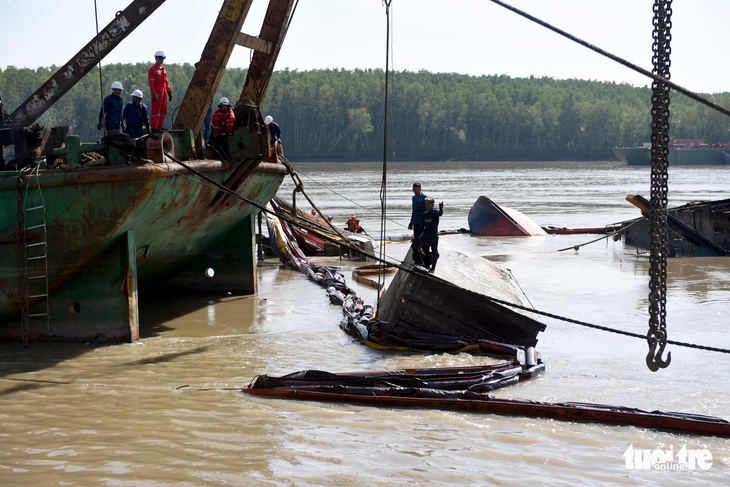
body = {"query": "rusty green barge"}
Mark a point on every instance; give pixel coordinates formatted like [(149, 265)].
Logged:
[(77, 240)]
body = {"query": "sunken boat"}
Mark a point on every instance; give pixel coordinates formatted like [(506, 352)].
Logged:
[(315, 235), (84, 226), (467, 299), (696, 229), (488, 218)]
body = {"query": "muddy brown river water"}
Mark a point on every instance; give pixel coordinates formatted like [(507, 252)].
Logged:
[(168, 411)]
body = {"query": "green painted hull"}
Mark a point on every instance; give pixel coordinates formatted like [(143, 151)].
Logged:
[(111, 229), (641, 156)]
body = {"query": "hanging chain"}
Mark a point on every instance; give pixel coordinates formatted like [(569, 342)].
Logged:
[(657, 334)]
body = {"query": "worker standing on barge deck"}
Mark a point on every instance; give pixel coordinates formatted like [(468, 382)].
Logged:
[(275, 133), (135, 118), (110, 114), (160, 91)]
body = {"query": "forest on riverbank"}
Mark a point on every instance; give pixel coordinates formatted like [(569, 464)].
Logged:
[(338, 115)]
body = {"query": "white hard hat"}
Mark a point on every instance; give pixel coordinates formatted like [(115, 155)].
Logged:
[(117, 86), (137, 93), (160, 54), (224, 101), (268, 119)]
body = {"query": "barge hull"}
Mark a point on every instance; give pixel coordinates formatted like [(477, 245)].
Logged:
[(109, 231)]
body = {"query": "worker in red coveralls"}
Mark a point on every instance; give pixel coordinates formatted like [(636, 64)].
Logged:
[(222, 123), (223, 119), (160, 90)]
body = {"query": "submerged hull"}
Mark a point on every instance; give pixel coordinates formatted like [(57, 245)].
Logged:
[(696, 229), (111, 229), (313, 236), (488, 218), (641, 156), (468, 298)]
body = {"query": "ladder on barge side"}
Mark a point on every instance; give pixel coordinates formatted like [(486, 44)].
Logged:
[(33, 246)]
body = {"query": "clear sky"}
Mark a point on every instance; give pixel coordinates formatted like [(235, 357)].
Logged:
[(476, 37)]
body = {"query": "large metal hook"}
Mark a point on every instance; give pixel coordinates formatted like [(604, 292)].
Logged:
[(654, 358)]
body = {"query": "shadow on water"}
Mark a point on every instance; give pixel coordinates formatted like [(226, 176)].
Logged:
[(22, 387), (161, 314), (168, 357), (15, 358), (187, 313)]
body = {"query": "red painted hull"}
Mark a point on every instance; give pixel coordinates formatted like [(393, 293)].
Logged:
[(310, 243), (468, 389), (488, 218), (578, 412)]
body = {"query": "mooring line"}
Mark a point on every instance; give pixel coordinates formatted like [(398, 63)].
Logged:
[(576, 247), (604, 328)]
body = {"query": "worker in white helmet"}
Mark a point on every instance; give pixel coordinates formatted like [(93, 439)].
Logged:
[(136, 119), (275, 133), (223, 120), (160, 91), (111, 110)]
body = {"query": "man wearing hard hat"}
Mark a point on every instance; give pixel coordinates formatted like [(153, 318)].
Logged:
[(222, 123), (224, 119), (135, 119), (275, 133), (111, 110), (160, 91)]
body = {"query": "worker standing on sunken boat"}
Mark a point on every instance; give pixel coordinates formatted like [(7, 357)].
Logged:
[(425, 247), (353, 224), (419, 206)]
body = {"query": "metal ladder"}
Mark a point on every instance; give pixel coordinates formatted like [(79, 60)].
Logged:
[(33, 250)]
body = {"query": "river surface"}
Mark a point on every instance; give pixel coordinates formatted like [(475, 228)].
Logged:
[(168, 411)]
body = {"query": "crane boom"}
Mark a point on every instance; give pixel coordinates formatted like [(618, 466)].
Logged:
[(84, 61)]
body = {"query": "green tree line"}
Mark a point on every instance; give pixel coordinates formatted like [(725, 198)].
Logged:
[(338, 115)]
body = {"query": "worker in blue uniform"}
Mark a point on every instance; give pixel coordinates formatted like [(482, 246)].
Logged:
[(426, 246), (275, 133), (111, 110), (136, 118), (418, 206)]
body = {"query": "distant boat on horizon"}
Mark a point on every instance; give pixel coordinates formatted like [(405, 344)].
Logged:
[(682, 152)]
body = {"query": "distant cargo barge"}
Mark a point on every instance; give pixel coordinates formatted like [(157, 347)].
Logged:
[(682, 152)]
